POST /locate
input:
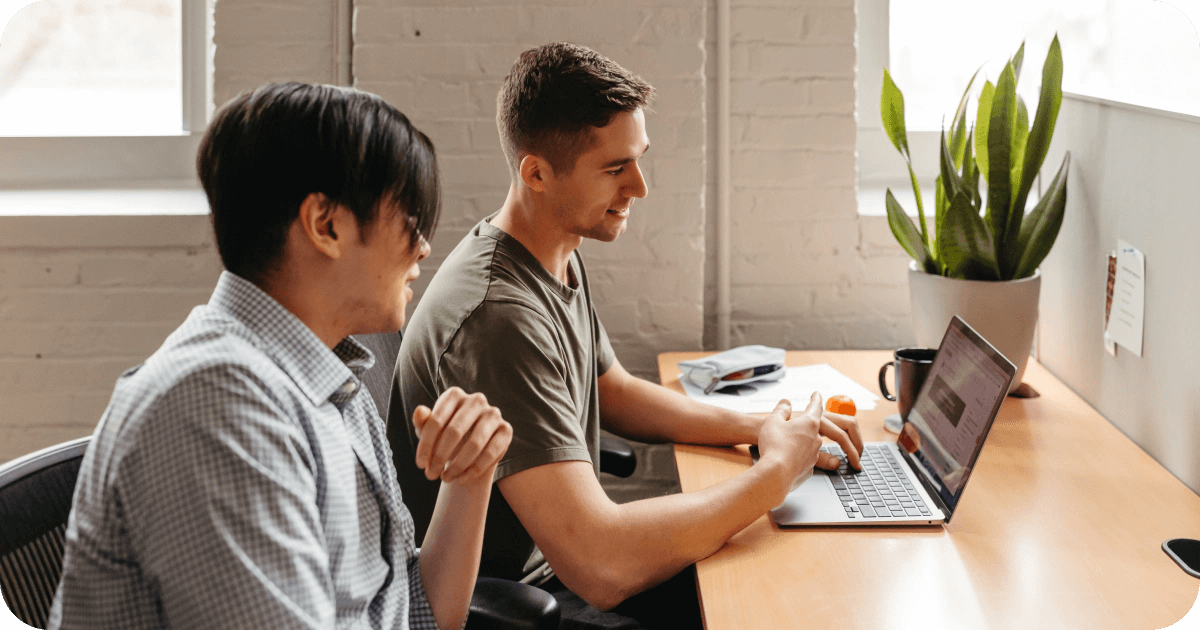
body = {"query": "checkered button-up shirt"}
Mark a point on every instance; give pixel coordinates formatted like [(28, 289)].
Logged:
[(240, 478)]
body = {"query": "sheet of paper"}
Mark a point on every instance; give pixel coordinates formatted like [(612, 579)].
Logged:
[(797, 386), (1126, 321)]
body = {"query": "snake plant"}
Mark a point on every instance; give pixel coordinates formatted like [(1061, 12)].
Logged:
[(998, 241)]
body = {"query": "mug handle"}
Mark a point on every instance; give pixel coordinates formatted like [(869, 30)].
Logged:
[(883, 381)]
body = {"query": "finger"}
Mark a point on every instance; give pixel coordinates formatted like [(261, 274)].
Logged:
[(438, 417), (473, 444), (850, 425), (835, 433), (815, 405), (456, 433), (420, 416), (783, 409), (828, 461), (491, 454)]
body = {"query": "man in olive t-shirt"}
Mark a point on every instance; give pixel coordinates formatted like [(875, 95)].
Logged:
[(541, 336), (509, 315)]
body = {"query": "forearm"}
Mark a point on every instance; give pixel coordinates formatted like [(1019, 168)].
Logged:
[(640, 544), (646, 412), (451, 549)]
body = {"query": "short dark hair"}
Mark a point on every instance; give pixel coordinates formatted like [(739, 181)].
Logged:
[(271, 147), (553, 97)]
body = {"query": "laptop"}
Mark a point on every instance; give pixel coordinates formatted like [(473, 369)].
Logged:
[(919, 479)]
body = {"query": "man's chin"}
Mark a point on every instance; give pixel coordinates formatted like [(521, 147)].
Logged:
[(605, 233)]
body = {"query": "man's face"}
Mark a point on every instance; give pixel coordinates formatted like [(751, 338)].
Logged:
[(389, 264), (594, 199)]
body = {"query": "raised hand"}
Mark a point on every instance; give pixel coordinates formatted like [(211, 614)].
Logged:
[(461, 438)]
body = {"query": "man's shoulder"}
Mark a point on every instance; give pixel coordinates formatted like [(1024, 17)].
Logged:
[(209, 353), (480, 271)]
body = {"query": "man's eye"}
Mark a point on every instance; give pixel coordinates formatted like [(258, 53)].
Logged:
[(617, 172)]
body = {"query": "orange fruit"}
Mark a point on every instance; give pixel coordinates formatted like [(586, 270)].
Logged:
[(842, 404)]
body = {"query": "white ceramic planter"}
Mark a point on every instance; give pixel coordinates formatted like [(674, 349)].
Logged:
[(1004, 312)]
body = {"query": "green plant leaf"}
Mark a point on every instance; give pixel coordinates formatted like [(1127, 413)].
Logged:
[(1020, 134), (1044, 120), (999, 145), (1016, 61), (964, 242), (891, 108), (981, 127), (1040, 228), (912, 176), (942, 202), (907, 235), (958, 142), (970, 171), (951, 179), (960, 116)]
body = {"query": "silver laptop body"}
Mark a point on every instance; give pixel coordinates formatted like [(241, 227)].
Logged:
[(919, 479)]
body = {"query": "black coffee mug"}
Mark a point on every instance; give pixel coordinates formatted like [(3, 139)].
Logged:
[(912, 366)]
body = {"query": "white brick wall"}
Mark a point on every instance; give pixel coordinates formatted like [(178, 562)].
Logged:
[(82, 299), (808, 272), (442, 64)]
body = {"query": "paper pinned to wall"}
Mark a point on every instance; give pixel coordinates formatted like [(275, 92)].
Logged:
[(1127, 319), (797, 386)]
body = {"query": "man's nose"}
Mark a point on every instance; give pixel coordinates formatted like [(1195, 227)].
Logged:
[(636, 187)]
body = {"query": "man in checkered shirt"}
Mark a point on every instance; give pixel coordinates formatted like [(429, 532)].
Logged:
[(240, 477)]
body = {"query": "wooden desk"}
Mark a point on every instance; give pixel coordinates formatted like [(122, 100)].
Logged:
[(1060, 527)]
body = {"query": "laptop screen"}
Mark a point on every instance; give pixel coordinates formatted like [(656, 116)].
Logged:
[(954, 410)]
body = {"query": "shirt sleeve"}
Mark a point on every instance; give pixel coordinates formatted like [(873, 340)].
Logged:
[(420, 614), (508, 352), (223, 495), (604, 351)]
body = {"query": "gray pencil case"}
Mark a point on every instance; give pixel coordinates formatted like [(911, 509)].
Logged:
[(745, 364)]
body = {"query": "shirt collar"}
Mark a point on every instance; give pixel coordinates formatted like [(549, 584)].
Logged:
[(322, 374)]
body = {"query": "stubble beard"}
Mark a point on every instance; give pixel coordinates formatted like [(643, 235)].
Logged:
[(597, 232)]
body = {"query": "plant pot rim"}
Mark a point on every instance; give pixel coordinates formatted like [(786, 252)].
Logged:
[(1037, 274)]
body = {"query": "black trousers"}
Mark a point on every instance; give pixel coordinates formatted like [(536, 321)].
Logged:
[(673, 604)]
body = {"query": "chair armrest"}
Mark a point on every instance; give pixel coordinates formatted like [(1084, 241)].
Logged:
[(508, 605), (617, 457)]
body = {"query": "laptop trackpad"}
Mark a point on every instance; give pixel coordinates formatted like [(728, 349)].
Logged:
[(816, 483), (813, 502)]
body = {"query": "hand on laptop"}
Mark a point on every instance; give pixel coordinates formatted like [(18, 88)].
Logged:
[(461, 438), (793, 442), (843, 430)]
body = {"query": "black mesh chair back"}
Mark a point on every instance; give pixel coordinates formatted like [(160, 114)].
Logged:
[(35, 500), (378, 379)]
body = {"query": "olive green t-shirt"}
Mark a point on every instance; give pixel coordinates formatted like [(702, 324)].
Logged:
[(495, 321)]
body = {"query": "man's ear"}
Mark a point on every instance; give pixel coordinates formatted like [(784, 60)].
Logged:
[(534, 172), (327, 225)]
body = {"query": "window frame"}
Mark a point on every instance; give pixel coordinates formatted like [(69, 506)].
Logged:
[(155, 161), (880, 166)]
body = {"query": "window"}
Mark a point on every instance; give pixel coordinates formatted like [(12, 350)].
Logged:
[(1140, 51), (102, 93)]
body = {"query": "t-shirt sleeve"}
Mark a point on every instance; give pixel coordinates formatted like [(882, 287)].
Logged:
[(509, 353), (604, 352)]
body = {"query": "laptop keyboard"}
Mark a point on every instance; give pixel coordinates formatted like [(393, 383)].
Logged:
[(881, 490)]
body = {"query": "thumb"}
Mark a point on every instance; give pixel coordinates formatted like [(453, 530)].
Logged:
[(420, 417), (815, 405)]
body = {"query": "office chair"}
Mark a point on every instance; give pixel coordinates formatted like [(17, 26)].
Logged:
[(35, 500), (497, 602)]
